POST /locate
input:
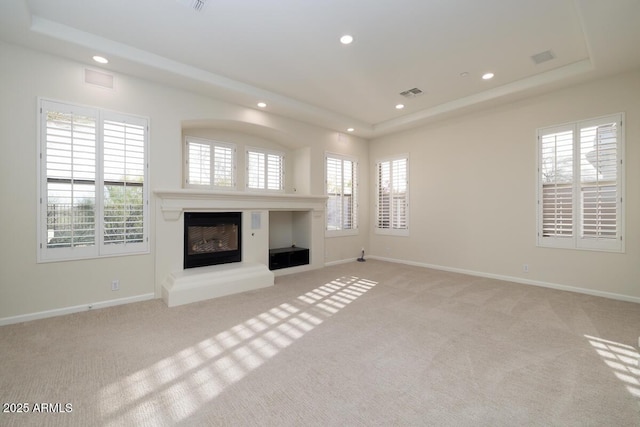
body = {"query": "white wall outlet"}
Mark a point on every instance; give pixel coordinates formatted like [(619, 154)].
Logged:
[(525, 268), (115, 285)]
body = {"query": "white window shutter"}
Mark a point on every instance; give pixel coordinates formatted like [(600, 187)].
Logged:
[(341, 189), (557, 154), (210, 164), (599, 183), (69, 179), (198, 163), (124, 167), (93, 183), (581, 186), (393, 196), (265, 170)]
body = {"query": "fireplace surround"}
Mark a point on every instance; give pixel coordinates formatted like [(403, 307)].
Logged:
[(177, 285), (212, 238)]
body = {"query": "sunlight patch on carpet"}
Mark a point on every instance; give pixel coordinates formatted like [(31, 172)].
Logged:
[(622, 359), (175, 387)]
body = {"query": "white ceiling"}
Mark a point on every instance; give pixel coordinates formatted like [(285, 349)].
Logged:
[(287, 53)]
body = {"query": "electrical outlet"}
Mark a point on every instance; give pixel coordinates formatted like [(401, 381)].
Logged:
[(525, 268), (115, 285)]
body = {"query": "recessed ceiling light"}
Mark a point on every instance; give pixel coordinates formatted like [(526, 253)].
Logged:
[(100, 59), (487, 76), (399, 106), (262, 105), (350, 130), (346, 39)]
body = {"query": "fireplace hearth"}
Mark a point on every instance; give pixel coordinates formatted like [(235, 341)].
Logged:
[(212, 238)]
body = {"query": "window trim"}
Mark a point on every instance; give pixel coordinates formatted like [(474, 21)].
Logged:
[(356, 208), (266, 153), (99, 249), (575, 241), (212, 144), (392, 231)]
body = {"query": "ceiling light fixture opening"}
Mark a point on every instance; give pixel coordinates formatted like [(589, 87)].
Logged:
[(350, 129), (487, 76), (399, 106), (100, 59), (346, 39), (262, 105)]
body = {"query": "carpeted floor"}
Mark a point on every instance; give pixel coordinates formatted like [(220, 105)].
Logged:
[(357, 344)]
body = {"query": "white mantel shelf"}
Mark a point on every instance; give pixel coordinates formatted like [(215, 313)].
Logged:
[(174, 202)]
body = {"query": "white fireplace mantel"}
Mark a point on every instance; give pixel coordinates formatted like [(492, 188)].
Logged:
[(174, 202), (178, 286)]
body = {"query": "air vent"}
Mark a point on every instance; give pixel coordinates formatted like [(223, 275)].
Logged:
[(541, 57), (411, 93), (197, 5), (98, 78)]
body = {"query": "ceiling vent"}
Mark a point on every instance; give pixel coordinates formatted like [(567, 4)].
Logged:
[(541, 57), (197, 5), (411, 93), (98, 78)]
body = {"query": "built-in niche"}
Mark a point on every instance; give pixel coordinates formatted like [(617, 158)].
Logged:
[(289, 238)]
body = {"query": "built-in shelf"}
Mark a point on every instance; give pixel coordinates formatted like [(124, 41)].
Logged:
[(174, 202), (287, 257)]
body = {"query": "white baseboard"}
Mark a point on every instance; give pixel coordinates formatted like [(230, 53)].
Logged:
[(75, 309), (520, 280), (340, 261)]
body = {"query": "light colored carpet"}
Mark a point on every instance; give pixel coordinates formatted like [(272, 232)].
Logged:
[(357, 344)]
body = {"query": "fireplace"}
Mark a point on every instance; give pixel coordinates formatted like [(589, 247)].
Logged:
[(212, 238)]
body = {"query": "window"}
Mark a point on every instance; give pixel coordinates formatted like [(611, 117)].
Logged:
[(341, 187), (580, 185), (93, 192), (265, 170), (392, 204), (210, 164)]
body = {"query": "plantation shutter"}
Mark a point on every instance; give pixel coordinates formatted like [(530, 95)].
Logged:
[(265, 170), (599, 181), (581, 185), (210, 164), (93, 189), (349, 186), (124, 167), (557, 184), (334, 193), (393, 196), (224, 166), (275, 172), (70, 168), (199, 163), (255, 170), (341, 187), (399, 194), (384, 195)]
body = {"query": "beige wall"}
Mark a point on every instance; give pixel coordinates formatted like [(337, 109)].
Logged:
[(473, 191), (28, 288), (472, 185)]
